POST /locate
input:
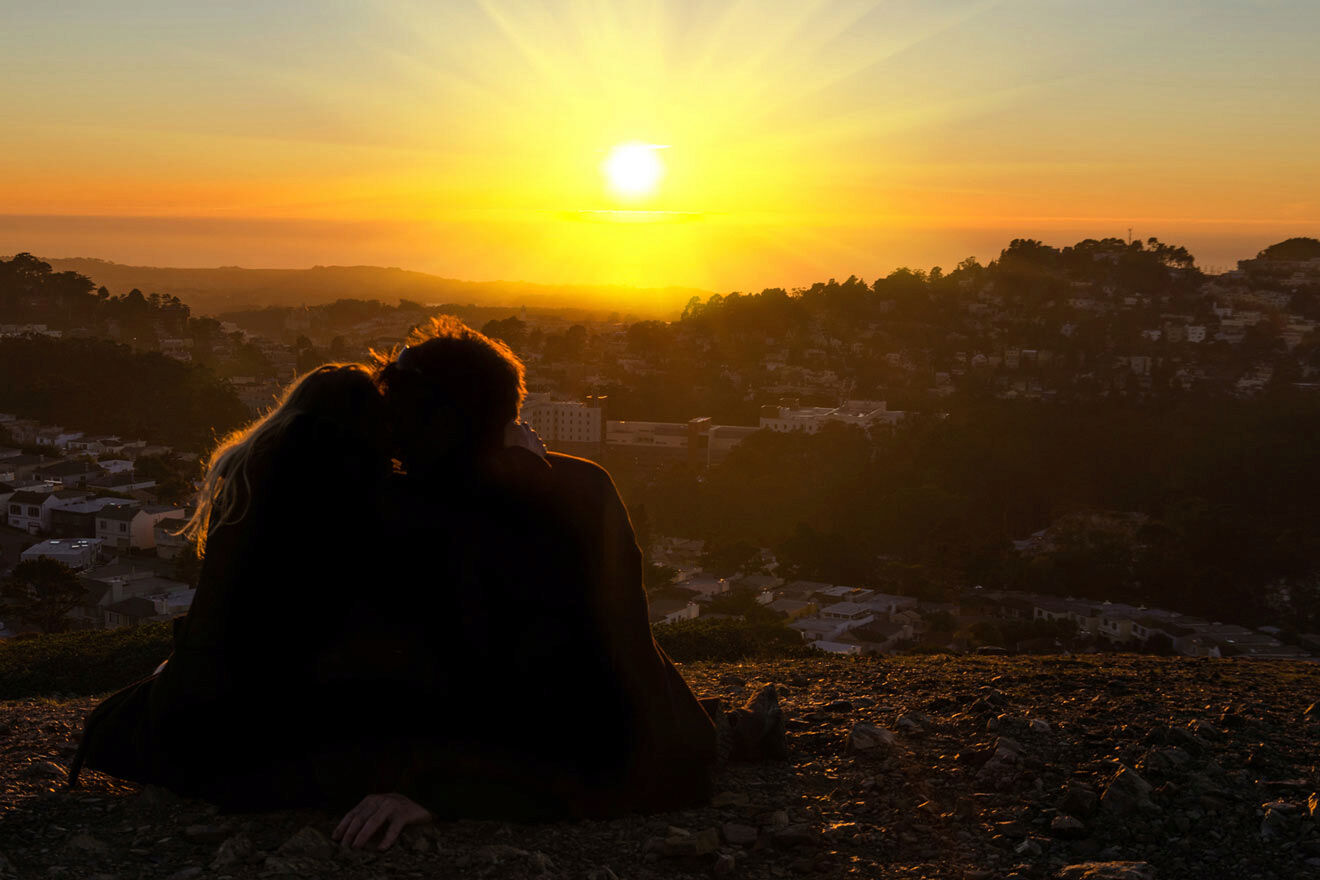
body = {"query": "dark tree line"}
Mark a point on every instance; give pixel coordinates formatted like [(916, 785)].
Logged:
[(99, 386), (1224, 490)]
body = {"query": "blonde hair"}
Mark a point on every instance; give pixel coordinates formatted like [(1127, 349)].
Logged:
[(225, 495)]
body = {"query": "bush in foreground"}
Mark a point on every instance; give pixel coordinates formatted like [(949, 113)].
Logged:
[(728, 639), (78, 663)]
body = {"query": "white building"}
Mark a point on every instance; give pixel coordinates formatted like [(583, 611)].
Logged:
[(564, 421), (76, 553), (788, 416)]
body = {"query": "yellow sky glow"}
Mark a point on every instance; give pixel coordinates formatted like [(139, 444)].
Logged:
[(801, 140)]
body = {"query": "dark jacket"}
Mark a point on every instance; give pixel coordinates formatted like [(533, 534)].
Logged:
[(242, 701), (562, 703)]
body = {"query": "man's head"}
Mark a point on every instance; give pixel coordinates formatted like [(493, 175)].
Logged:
[(450, 392)]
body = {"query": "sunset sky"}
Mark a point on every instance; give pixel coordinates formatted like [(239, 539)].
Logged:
[(796, 140)]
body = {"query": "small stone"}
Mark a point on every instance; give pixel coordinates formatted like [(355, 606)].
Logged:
[(1067, 828), (724, 865), (1108, 871), (1080, 800), (795, 835), (738, 834), (866, 737), (1280, 819), (308, 842), (730, 799), (1039, 725), (1312, 712), (208, 833), (44, 770), (85, 843), (237, 850), (1127, 792)]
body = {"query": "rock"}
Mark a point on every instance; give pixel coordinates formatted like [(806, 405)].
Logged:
[(187, 873), (686, 844), (1313, 806), (308, 842), (493, 854), (1108, 871), (540, 862), (1281, 819), (208, 833), (237, 850), (738, 834), (44, 770), (1067, 827), (299, 866), (1127, 792), (724, 865), (795, 835), (730, 799), (1039, 725), (1079, 800), (1028, 848), (1312, 712), (1163, 761), (85, 843), (866, 737), (838, 706)]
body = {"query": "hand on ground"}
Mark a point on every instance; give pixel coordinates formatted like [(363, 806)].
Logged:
[(391, 812)]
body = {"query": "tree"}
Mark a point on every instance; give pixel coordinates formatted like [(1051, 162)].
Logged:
[(41, 591)]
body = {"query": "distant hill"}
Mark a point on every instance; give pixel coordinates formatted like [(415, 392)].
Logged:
[(230, 288)]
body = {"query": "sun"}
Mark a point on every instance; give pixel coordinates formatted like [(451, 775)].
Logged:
[(633, 170)]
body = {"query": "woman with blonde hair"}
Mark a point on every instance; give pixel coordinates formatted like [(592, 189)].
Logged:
[(282, 524)]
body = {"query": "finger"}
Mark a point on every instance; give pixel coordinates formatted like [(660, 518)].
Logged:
[(397, 824), (364, 814), (378, 818), (345, 822)]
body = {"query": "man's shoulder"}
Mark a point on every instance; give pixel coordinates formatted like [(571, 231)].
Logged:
[(578, 471)]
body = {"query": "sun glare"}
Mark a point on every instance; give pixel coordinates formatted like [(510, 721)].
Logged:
[(633, 170)]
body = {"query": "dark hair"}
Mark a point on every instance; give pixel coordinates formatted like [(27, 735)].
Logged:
[(450, 392)]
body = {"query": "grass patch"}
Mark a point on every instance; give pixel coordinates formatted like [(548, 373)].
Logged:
[(81, 663)]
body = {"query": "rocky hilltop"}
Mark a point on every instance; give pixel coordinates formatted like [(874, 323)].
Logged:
[(938, 767)]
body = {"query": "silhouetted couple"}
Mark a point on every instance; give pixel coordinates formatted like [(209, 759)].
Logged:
[(407, 604)]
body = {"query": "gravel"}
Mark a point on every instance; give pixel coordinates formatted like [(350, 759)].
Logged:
[(900, 767)]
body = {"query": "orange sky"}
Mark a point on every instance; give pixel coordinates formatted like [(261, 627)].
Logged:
[(802, 139)]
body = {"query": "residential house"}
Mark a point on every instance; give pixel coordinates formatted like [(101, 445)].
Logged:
[(672, 610), (129, 612), (170, 544), (122, 482), (132, 526), (76, 553), (72, 473), (76, 518)]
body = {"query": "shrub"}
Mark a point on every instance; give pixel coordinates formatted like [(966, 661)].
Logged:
[(728, 639), (80, 663)]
